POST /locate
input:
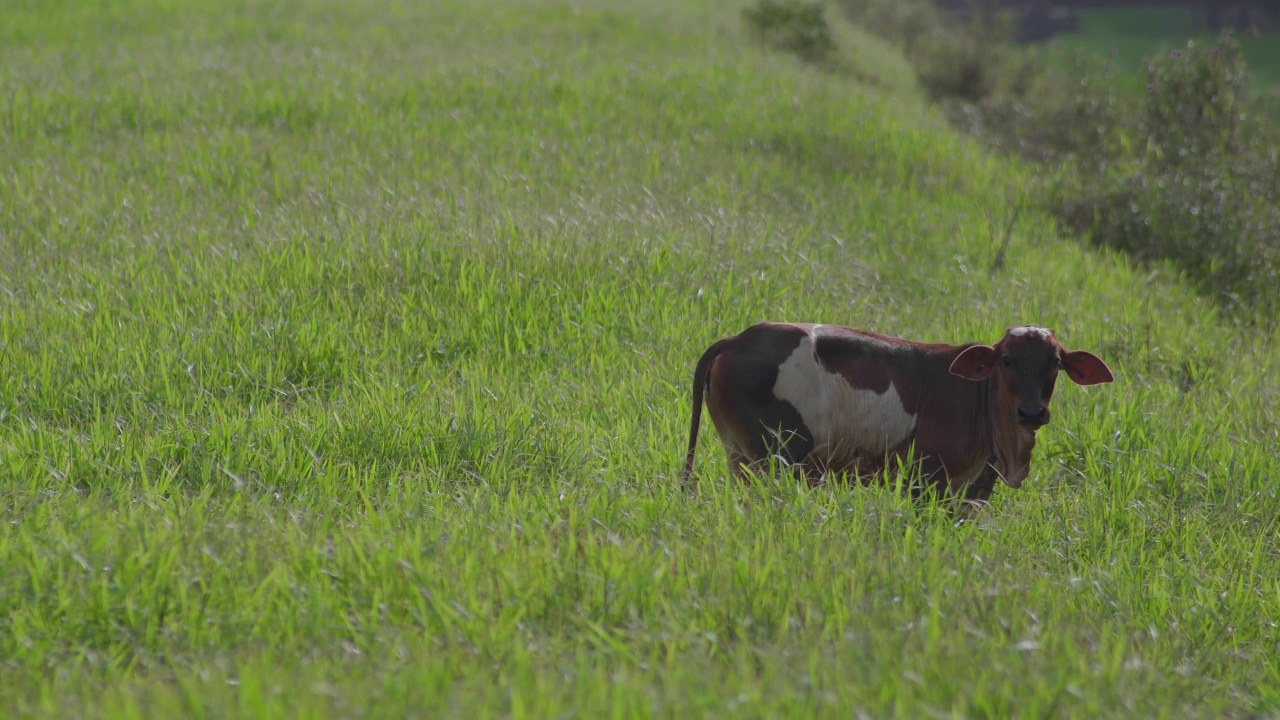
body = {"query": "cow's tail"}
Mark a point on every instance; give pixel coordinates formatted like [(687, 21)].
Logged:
[(701, 376)]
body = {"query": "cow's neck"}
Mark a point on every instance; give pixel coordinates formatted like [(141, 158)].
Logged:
[(1010, 444)]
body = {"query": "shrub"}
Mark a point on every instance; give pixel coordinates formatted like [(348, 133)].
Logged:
[(1195, 102), (957, 55), (1198, 185), (1186, 171), (973, 59), (792, 26), (902, 21), (1068, 113)]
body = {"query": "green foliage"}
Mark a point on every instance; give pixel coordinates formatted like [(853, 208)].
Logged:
[(966, 56), (1201, 183), (793, 26), (1072, 113), (1186, 171), (344, 372), (1196, 103), (1131, 35), (973, 58), (906, 22)]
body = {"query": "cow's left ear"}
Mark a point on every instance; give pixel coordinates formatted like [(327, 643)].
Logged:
[(975, 363), (1085, 368)]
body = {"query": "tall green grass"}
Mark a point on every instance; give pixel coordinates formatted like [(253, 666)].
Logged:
[(344, 371)]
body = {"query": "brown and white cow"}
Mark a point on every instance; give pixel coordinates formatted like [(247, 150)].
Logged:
[(834, 399)]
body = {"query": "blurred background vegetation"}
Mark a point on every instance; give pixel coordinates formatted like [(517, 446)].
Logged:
[(1154, 124)]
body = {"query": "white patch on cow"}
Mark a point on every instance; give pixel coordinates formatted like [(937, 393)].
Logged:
[(1045, 333), (846, 422)]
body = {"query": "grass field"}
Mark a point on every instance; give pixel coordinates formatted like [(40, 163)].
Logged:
[(1131, 36), (345, 359)]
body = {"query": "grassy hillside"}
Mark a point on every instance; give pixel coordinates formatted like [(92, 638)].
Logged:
[(345, 353)]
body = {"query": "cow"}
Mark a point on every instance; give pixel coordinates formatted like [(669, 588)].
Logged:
[(829, 400)]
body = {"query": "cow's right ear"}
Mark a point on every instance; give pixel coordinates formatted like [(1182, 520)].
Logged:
[(975, 363)]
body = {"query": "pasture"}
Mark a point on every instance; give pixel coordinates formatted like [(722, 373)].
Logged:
[(345, 364)]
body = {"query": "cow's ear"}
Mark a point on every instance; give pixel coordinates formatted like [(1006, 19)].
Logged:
[(1086, 368), (975, 363)]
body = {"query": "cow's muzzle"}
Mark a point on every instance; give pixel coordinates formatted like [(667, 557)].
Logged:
[(1033, 417)]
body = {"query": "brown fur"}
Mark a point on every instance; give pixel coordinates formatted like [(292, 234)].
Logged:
[(964, 399)]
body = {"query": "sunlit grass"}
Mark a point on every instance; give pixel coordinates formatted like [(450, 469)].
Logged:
[(345, 356)]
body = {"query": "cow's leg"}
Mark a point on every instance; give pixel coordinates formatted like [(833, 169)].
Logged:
[(738, 462), (976, 496), (753, 424), (812, 474), (736, 442)]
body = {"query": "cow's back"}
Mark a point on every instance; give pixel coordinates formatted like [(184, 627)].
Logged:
[(827, 392), (846, 385), (740, 395)]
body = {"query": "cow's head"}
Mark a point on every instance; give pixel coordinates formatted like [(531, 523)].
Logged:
[(1024, 366)]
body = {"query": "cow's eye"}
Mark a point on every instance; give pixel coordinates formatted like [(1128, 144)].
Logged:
[(1008, 361)]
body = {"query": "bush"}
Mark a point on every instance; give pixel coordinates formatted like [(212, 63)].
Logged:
[(974, 59), (1197, 184), (1186, 171), (902, 21), (1071, 113), (792, 26), (967, 56), (1195, 102)]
